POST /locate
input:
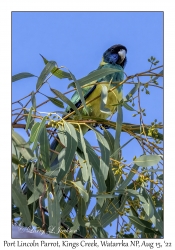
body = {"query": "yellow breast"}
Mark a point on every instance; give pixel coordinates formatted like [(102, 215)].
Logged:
[(113, 98)]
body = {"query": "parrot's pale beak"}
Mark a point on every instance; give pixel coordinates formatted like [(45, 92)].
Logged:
[(122, 54)]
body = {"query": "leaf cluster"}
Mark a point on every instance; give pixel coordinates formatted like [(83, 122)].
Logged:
[(77, 190)]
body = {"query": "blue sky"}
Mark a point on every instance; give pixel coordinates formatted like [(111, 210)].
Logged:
[(77, 40)]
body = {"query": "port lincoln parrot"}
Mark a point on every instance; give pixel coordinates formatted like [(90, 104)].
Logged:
[(114, 57)]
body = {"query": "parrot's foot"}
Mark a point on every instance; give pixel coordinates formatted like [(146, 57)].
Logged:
[(94, 125), (104, 126), (101, 126)]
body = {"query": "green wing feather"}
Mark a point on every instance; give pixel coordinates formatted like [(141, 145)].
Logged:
[(116, 77)]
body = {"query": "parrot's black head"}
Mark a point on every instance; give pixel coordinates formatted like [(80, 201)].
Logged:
[(116, 54)]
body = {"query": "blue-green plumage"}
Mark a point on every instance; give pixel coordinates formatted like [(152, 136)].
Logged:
[(115, 58), (116, 77)]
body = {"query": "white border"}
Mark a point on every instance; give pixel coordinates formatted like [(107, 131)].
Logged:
[(5, 93)]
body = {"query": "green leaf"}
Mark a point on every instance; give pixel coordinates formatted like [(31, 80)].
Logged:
[(148, 206), (15, 159), (33, 100), (22, 146), (72, 201), (20, 200), (62, 135), (142, 225), (154, 215), (132, 193), (153, 170), (29, 177), (132, 92), (82, 191), (106, 196), (112, 212), (82, 207), (112, 209), (158, 220), (58, 103), (36, 135), (117, 150), (104, 96), (100, 201), (79, 90), (147, 160), (38, 220), (133, 212), (160, 177), (60, 168), (38, 190), (130, 176), (71, 146), (111, 180), (21, 76), (83, 165), (94, 162), (56, 71), (123, 200), (66, 100), (95, 223), (118, 132), (110, 139), (87, 168), (29, 118), (34, 131), (82, 231), (75, 226), (100, 233), (54, 210), (47, 69), (15, 209), (44, 149), (152, 180), (14, 172), (97, 170), (155, 78), (57, 147), (66, 156), (128, 107), (105, 153), (95, 75)]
